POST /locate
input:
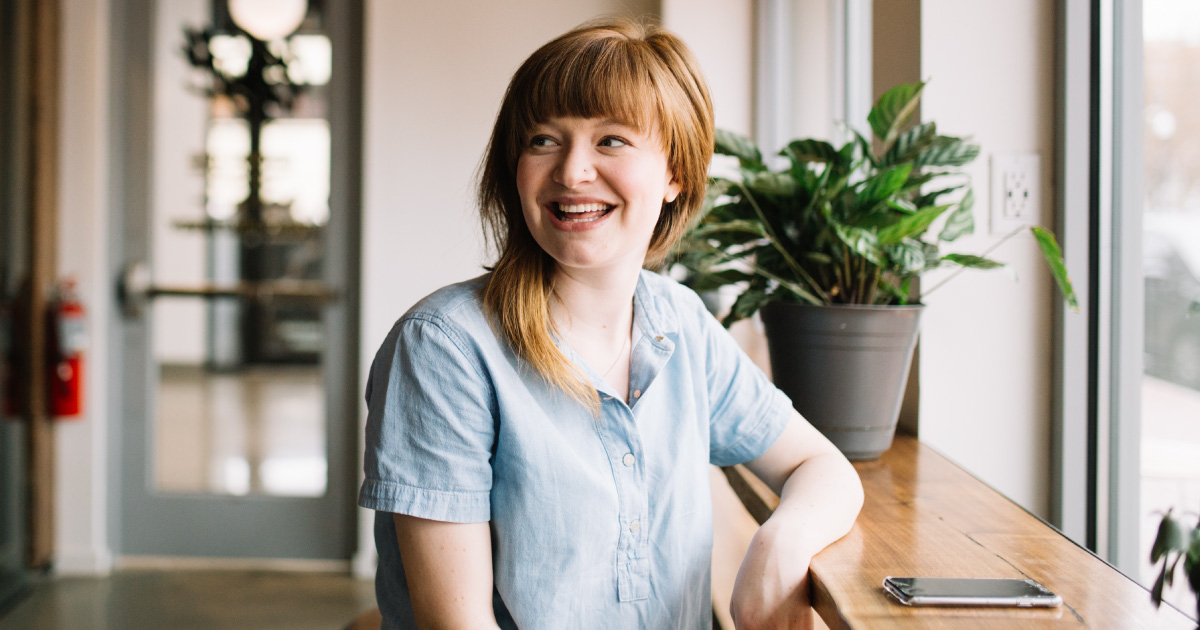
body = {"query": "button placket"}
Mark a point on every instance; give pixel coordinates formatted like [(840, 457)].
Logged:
[(622, 439)]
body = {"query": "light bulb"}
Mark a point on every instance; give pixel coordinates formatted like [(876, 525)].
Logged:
[(268, 20)]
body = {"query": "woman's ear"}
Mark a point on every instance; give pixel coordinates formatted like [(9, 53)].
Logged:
[(673, 190)]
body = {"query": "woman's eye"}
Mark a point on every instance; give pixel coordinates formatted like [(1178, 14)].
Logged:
[(613, 141), (541, 141)]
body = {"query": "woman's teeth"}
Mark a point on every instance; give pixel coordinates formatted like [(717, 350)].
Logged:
[(581, 212)]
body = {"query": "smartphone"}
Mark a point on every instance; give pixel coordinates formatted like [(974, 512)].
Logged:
[(927, 591)]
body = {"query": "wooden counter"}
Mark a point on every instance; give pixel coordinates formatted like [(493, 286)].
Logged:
[(925, 516)]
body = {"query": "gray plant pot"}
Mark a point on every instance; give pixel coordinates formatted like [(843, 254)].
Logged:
[(844, 367)]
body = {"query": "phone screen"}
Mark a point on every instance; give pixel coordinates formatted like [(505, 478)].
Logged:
[(918, 591)]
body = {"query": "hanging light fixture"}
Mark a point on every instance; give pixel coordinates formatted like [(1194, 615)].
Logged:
[(268, 20)]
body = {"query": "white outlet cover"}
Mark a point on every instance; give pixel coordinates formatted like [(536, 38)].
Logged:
[(1015, 199)]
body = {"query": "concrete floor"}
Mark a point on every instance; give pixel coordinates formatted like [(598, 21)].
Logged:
[(194, 599)]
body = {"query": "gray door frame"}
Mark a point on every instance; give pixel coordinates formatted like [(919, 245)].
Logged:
[(142, 521)]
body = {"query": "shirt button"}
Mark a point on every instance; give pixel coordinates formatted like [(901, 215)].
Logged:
[(635, 526), (628, 459), (637, 393), (658, 338)]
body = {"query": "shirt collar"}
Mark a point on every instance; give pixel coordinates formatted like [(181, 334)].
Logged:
[(653, 311)]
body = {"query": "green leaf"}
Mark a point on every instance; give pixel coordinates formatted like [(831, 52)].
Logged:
[(933, 258), (902, 205), (1058, 268), (748, 303), (741, 147), (749, 227), (862, 145), (930, 198), (717, 279), (828, 191), (737, 209), (805, 151), (897, 293), (893, 109), (774, 184), (911, 225), (910, 144), (962, 221), (972, 261), (947, 151), (908, 256), (860, 241), (1171, 537), (1156, 593), (884, 184)]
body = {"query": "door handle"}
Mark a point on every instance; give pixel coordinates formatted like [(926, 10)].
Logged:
[(135, 289)]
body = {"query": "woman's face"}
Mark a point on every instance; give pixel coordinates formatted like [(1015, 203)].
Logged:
[(592, 190)]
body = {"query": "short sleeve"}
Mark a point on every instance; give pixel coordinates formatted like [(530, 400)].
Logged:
[(430, 425), (748, 413)]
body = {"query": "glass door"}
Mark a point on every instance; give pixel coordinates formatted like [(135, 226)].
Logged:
[(1170, 385), (237, 280)]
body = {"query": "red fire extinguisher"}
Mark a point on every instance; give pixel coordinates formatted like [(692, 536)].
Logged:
[(66, 367)]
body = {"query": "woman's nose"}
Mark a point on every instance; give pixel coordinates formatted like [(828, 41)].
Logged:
[(576, 167)]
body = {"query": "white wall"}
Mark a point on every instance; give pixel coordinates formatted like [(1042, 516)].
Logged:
[(178, 256), (721, 35), (812, 70), (986, 345), (81, 458)]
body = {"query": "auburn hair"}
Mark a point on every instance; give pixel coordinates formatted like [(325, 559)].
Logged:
[(632, 72)]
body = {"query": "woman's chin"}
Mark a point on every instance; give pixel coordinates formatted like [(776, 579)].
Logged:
[(591, 262)]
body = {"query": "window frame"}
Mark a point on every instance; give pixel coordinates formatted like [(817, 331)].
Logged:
[(1098, 365)]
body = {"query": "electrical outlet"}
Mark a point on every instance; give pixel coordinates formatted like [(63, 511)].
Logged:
[(1016, 192)]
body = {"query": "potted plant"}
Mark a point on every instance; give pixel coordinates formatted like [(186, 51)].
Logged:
[(1176, 541), (828, 247)]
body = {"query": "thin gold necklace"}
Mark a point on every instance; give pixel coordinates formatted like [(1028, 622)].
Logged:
[(620, 353), (571, 317)]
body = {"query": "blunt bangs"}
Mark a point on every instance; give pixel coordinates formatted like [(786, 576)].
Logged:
[(608, 75)]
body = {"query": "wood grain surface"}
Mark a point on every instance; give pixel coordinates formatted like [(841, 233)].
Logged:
[(925, 516)]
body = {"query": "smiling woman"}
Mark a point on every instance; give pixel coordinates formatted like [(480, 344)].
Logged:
[(539, 438), (638, 80)]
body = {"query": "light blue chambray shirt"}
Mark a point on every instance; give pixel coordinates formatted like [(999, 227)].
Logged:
[(596, 522)]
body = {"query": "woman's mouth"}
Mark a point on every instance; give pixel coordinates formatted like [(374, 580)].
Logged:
[(580, 213)]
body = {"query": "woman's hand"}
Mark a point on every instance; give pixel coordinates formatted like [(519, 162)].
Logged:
[(771, 589), (819, 497)]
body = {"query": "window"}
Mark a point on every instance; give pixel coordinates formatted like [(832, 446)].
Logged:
[(1128, 431)]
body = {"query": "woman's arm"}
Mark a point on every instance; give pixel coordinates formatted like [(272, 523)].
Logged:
[(449, 571), (820, 495)]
